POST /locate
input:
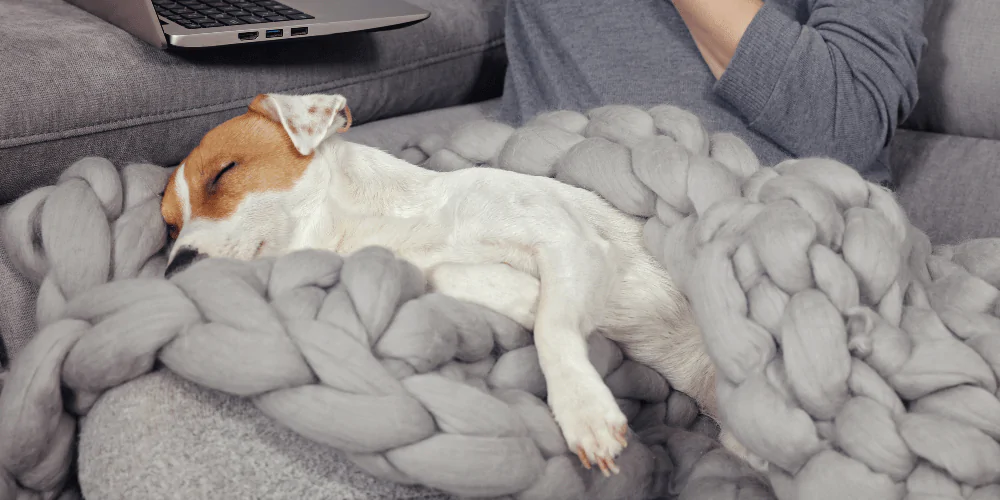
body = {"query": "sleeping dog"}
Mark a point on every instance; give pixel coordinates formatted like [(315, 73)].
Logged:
[(558, 259)]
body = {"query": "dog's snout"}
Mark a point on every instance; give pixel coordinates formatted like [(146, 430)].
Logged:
[(183, 259)]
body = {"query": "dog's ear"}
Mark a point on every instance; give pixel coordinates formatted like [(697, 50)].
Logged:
[(307, 119)]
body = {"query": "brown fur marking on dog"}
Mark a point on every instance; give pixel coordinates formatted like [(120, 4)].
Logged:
[(266, 160)]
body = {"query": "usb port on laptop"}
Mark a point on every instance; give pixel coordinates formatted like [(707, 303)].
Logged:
[(273, 33), (298, 31)]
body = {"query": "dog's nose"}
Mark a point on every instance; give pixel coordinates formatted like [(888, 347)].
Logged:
[(183, 259)]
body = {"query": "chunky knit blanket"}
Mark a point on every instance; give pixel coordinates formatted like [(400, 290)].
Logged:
[(853, 358)]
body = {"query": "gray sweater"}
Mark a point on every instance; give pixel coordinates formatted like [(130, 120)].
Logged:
[(827, 78)]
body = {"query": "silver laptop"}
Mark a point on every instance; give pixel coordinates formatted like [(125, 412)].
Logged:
[(209, 23)]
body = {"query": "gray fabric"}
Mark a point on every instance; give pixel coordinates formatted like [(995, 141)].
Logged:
[(162, 437), (17, 307), (822, 307), (75, 86), (809, 78), (350, 352), (17, 295), (960, 71), (773, 260), (949, 185)]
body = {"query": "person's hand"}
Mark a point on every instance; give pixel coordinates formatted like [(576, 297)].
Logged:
[(717, 26)]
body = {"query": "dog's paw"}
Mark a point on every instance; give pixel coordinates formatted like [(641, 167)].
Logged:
[(592, 423)]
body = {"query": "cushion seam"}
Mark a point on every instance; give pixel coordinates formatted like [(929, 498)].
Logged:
[(233, 104)]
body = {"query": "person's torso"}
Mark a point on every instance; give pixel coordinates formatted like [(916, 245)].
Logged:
[(581, 54)]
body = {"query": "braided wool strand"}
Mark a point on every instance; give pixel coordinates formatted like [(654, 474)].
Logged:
[(350, 352), (853, 358)]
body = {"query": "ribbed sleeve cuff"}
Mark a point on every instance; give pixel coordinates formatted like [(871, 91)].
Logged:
[(761, 57)]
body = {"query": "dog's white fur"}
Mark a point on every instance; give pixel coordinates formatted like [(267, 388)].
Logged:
[(559, 260)]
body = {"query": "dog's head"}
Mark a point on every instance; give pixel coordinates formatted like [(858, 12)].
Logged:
[(238, 193)]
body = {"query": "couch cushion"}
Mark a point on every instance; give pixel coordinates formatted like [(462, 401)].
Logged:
[(960, 70), (948, 184), (76, 86)]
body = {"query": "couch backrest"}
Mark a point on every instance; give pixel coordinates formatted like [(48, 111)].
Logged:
[(960, 71)]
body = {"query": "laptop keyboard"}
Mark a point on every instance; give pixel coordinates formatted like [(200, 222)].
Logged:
[(195, 14)]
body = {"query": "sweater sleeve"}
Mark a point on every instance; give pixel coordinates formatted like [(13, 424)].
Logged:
[(837, 86)]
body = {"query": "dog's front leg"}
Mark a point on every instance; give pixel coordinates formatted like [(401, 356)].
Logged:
[(575, 280)]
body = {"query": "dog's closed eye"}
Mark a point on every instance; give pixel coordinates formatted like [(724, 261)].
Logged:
[(215, 181)]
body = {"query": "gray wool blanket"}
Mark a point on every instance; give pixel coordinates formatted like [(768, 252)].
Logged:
[(855, 359)]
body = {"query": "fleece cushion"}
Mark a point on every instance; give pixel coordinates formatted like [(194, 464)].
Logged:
[(162, 437), (74, 85)]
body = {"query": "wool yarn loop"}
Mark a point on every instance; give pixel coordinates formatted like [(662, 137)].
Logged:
[(852, 357), (837, 329)]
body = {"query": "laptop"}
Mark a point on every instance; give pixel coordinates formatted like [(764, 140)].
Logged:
[(210, 23)]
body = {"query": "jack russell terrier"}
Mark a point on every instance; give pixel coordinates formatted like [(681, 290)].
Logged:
[(558, 259)]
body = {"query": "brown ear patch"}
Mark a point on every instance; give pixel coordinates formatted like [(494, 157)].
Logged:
[(170, 206), (257, 106), (266, 160), (347, 116)]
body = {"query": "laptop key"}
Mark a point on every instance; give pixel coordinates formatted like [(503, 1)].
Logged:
[(253, 19), (192, 15), (275, 19), (212, 24), (188, 24), (287, 11), (232, 21), (299, 17), (211, 12), (221, 15)]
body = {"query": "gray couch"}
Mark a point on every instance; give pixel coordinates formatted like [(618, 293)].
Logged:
[(72, 87)]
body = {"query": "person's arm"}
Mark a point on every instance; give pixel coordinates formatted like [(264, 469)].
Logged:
[(837, 86)]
